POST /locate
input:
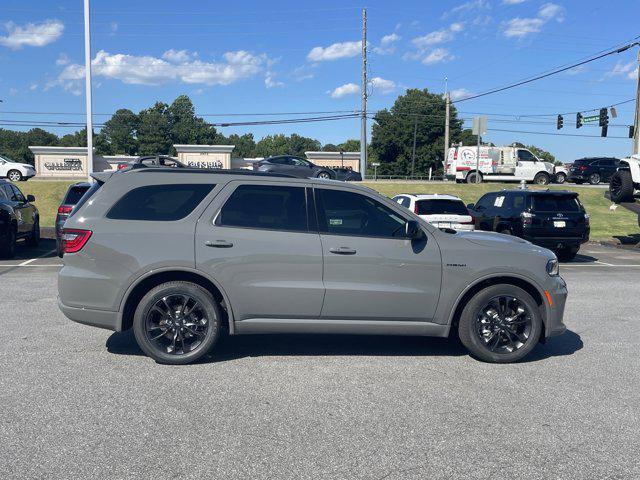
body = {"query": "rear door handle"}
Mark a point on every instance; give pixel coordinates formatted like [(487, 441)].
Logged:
[(218, 244), (343, 251)]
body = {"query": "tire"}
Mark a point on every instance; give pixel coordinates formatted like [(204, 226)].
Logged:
[(472, 326), (161, 307), (59, 251), (34, 238), (594, 179), (324, 174), (471, 177), (541, 178), (14, 175), (567, 254), (8, 249), (561, 178), (621, 187)]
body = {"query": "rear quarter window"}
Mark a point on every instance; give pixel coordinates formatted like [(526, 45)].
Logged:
[(441, 207), (74, 195), (159, 203)]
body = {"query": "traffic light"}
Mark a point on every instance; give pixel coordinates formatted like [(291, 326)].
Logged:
[(578, 120), (604, 118), (631, 131), (560, 123)]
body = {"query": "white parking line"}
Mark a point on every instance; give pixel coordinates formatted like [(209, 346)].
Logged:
[(15, 265)]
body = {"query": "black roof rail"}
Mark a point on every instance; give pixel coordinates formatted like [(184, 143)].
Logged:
[(209, 171)]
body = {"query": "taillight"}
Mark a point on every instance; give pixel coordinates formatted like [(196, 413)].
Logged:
[(65, 209), (415, 208), (122, 166), (586, 218), (583, 168), (74, 239)]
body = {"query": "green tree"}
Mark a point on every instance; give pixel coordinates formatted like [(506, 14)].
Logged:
[(393, 133), (351, 145), (245, 145), (281, 144), (186, 128), (330, 147), (538, 152), (154, 131), (120, 132)]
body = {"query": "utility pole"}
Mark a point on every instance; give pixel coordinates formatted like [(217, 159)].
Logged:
[(87, 77), (447, 100), (413, 155), (636, 123), (363, 88)]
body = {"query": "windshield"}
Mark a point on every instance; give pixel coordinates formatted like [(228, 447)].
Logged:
[(441, 207), (555, 203)]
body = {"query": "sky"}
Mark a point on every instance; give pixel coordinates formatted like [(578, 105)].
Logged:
[(280, 57)]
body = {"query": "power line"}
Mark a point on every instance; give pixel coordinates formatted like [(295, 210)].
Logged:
[(552, 133), (548, 74)]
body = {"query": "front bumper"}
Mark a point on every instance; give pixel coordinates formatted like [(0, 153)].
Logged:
[(554, 325), (95, 318)]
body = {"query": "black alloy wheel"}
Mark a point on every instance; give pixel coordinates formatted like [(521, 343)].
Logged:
[(503, 325), (594, 178)]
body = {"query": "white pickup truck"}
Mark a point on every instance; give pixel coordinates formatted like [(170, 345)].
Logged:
[(500, 164)]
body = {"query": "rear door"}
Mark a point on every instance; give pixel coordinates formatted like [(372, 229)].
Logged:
[(557, 215), (370, 271), (257, 241)]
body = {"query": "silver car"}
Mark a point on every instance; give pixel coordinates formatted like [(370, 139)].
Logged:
[(183, 255)]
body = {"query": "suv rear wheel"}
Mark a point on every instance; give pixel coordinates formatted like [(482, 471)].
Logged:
[(177, 323), (594, 178), (500, 324), (621, 186), (34, 238)]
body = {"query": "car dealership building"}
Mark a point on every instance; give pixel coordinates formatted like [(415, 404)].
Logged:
[(71, 162)]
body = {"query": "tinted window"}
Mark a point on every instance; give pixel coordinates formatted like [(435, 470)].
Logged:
[(74, 195), (17, 194), (347, 213), (280, 161), (485, 202), (3, 195), (441, 207), (6, 188), (299, 162), (265, 206), (525, 156), (159, 202), (555, 203)]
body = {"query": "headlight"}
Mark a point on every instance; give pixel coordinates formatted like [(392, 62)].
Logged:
[(553, 267)]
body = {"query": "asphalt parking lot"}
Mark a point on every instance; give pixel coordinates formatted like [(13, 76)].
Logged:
[(78, 402)]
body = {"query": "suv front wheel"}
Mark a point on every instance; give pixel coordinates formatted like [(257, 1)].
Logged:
[(177, 323), (500, 324)]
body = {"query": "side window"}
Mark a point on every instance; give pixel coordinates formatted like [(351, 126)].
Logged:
[(6, 188), (485, 202), (160, 203), (525, 156), (299, 162), (279, 161), (17, 194), (270, 207), (348, 213), (406, 202), (3, 195)]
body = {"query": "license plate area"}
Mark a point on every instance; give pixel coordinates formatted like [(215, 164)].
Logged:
[(559, 223)]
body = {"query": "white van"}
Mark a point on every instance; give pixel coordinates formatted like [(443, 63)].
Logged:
[(498, 164)]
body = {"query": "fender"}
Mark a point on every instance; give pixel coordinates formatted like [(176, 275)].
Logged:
[(150, 273)]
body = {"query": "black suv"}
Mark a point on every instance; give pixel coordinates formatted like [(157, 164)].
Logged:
[(554, 219), (19, 219), (593, 170), (293, 166)]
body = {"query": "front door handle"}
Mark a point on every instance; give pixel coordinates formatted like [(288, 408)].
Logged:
[(343, 251), (218, 244)]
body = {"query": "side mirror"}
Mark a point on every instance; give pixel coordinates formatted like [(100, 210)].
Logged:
[(31, 198), (412, 229), (470, 206)]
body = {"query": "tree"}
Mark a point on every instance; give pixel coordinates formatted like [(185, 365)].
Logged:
[(186, 128), (154, 131), (351, 145), (245, 145), (281, 144), (393, 133), (120, 132), (330, 147)]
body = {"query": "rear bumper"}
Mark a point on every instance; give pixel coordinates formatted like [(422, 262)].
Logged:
[(555, 312), (557, 242), (95, 318)]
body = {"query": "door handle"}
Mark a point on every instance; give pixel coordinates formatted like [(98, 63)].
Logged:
[(343, 250), (218, 244)]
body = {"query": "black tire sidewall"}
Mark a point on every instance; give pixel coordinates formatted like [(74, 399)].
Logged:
[(34, 238), (593, 177), (560, 176), (19, 175), (540, 176), (324, 174), (170, 288), (467, 324), (626, 186), (472, 178)]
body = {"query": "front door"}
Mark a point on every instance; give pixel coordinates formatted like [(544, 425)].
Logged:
[(527, 166), (370, 271), (255, 240), (25, 213)]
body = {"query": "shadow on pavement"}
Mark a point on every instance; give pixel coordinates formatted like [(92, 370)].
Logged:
[(45, 249), (246, 346), (581, 259)]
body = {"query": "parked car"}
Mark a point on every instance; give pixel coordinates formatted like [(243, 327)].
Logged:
[(152, 161), (71, 198), (19, 219), (593, 170), (15, 171), (347, 174), (258, 253), (293, 166), (554, 219), (442, 211)]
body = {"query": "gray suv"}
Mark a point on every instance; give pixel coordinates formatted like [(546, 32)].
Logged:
[(182, 255)]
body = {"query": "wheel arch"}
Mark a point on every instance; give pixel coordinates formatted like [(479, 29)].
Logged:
[(146, 282), (526, 284)]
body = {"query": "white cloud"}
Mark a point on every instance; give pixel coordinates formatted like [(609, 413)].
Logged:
[(33, 86), (438, 36), (303, 72), (467, 7), (334, 51), (456, 27), (382, 85), (149, 70), (13, 91), (439, 55), (31, 34), (270, 81), (459, 93), (387, 44), (627, 70), (63, 59), (576, 70), (343, 90), (512, 2), (178, 56), (522, 27)]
